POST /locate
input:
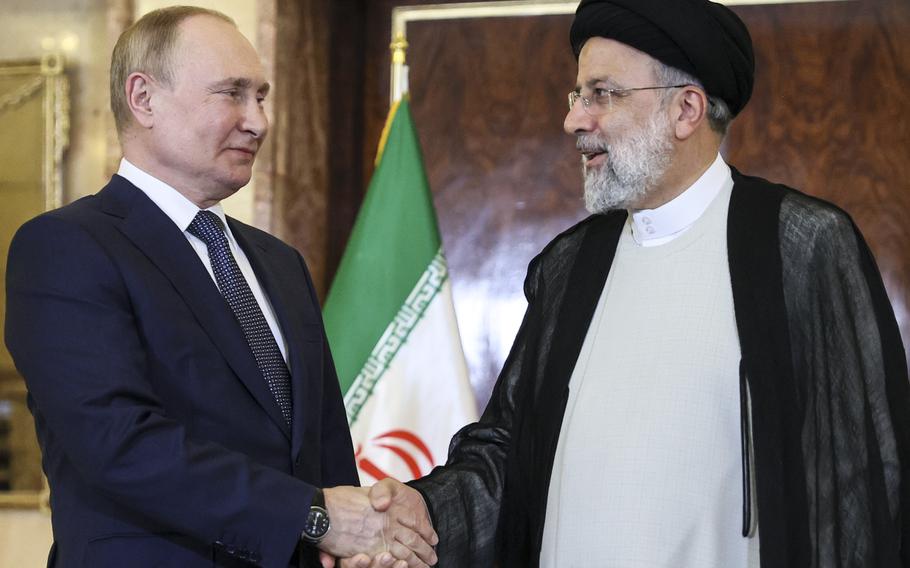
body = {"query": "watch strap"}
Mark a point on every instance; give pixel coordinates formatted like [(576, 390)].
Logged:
[(318, 499)]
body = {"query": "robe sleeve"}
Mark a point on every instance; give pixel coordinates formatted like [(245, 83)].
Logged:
[(849, 360), (464, 496)]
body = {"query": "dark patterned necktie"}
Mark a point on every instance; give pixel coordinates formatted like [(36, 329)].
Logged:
[(208, 228)]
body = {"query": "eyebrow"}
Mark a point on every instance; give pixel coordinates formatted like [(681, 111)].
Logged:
[(240, 83), (590, 83)]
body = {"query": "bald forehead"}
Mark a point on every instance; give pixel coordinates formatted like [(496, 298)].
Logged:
[(211, 46), (202, 29)]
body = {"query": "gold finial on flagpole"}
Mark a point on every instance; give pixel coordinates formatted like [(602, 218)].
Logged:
[(399, 47)]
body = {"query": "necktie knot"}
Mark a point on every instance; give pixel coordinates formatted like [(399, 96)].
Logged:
[(207, 227)]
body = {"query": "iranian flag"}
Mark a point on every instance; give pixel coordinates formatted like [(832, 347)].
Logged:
[(391, 322)]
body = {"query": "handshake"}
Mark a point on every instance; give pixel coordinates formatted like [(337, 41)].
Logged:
[(386, 525)]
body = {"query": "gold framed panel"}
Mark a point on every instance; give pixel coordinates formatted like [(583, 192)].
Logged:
[(34, 129)]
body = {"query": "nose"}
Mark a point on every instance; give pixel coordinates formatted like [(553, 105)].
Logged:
[(578, 121), (255, 121)]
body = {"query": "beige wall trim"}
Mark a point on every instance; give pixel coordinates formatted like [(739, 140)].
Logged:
[(264, 173), (57, 127), (25, 500), (119, 17)]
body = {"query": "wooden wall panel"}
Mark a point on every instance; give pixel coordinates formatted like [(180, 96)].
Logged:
[(488, 99), (829, 117), (506, 177), (347, 149)]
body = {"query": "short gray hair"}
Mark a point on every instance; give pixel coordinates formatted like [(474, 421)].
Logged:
[(148, 46), (719, 115)]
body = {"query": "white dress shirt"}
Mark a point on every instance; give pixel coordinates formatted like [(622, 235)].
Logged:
[(182, 211)]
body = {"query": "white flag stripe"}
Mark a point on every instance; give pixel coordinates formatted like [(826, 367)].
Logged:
[(423, 393), (396, 334)]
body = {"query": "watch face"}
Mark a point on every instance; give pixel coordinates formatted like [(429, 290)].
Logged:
[(317, 523)]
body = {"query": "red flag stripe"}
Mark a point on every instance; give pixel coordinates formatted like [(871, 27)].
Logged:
[(406, 457), (370, 469), (409, 437)]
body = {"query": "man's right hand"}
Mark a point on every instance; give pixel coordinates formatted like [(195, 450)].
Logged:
[(377, 521), (404, 506)]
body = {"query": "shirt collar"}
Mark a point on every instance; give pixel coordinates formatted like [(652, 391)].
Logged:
[(178, 208), (657, 226)]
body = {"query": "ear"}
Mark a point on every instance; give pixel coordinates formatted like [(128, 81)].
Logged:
[(691, 106), (139, 88)]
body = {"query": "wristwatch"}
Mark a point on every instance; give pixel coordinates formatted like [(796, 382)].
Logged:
[(317, 521)]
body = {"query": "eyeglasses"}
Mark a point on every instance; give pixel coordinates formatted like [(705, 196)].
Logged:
[(601, 102)]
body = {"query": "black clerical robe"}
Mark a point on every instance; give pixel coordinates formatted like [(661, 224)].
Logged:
[(822, 361)]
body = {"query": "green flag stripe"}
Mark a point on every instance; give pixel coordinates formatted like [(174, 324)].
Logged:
[(393, 241), (395, 336)]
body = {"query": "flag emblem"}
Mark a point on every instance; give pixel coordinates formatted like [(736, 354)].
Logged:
[(404, 454)]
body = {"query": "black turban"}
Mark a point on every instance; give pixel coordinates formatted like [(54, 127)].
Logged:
[(702, 38)]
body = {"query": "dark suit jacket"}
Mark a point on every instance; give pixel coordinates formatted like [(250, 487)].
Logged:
[(161, 441)]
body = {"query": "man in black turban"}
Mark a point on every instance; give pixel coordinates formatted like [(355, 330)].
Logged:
[(709, 373), (706, 40)]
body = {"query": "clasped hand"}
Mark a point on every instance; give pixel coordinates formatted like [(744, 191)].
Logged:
[(386, 525)]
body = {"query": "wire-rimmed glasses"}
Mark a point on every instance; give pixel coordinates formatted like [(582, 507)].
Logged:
[(601, 101)]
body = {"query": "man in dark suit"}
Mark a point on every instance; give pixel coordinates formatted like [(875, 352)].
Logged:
[(183, 391)]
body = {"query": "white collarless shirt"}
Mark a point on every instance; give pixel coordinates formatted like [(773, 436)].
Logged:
[(182, 211), (647, 471), (652, 227)]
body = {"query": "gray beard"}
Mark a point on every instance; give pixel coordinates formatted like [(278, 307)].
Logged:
[(634, 164)]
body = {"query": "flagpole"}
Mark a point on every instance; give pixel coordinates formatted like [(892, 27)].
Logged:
[(399, 47)]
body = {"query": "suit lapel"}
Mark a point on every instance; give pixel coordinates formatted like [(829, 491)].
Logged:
[(303, 349), (165, 245)]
